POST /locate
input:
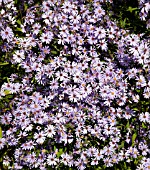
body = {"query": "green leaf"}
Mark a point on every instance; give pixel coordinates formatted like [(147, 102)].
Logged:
[(59, 152), (1, 135), (18, 29), (3, 64), (25, 7), (135, 109), (54, 52), (144, 126), (19, 22), (133, 138), (6, 92), (122, 145), (128, 125), (130, 9), (123, 23)]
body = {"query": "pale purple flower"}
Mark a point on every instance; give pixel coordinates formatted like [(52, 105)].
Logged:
[(2, 143), (52, 160), (7, 33), (144, 117), (46, 37), (40, 137)]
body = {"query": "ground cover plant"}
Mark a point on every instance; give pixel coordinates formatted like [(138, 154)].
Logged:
[(75, 84)]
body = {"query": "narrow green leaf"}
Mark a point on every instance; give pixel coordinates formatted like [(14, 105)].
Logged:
[(135, 109), (130, 9), (18, 29), (7, 92), (3, 64), (123, 23), (1, 135), (25, 7), (59, 152), (19, 22), (122, 145), (133, 138), (144, 126), (128, 125), (54, 52)]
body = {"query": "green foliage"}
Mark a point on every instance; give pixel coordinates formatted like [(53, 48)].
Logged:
[(1, 135), (133, 138)]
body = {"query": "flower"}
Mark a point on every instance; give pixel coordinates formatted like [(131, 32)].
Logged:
[(6, 118), (18, 56), (141, 81), (67, 159), (2, 143), (50, 131), (144, 117), (67, 7), (52, 160), (46, 37), (100, 33), (40, 137), (7, 33), (36, 28), (108, 162), (99, 12), (94, 161), (146, 93), (31, 158), (45, 50)]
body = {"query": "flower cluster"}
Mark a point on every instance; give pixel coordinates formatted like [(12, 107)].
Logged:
[(83, 99)]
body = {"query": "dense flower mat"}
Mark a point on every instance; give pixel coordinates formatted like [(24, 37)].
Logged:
[(79, 96)]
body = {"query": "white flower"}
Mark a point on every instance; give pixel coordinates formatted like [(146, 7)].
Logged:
[(18, 56), (2, 143), (7, 34), (52, 160), (141, 81), (145, 117), (50, 131), (46, 37), (40, 137)]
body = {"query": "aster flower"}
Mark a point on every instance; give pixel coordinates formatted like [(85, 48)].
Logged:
[(80, 164), (66, 159), (66, 7), (50, 131), (146, 93), (2, 143), (144, 117), (75, 18), (46, 37), (77, 96), (7, 33), (141, 81), (108, 162), (31, 158), (30, 16), (6, 161), (36, 28), (17, 166), (103, 44), (48, 16), (99, 12), (146, 7), (40, 137), (100, 33), (18, 56), (6, 118), (52, 160)]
